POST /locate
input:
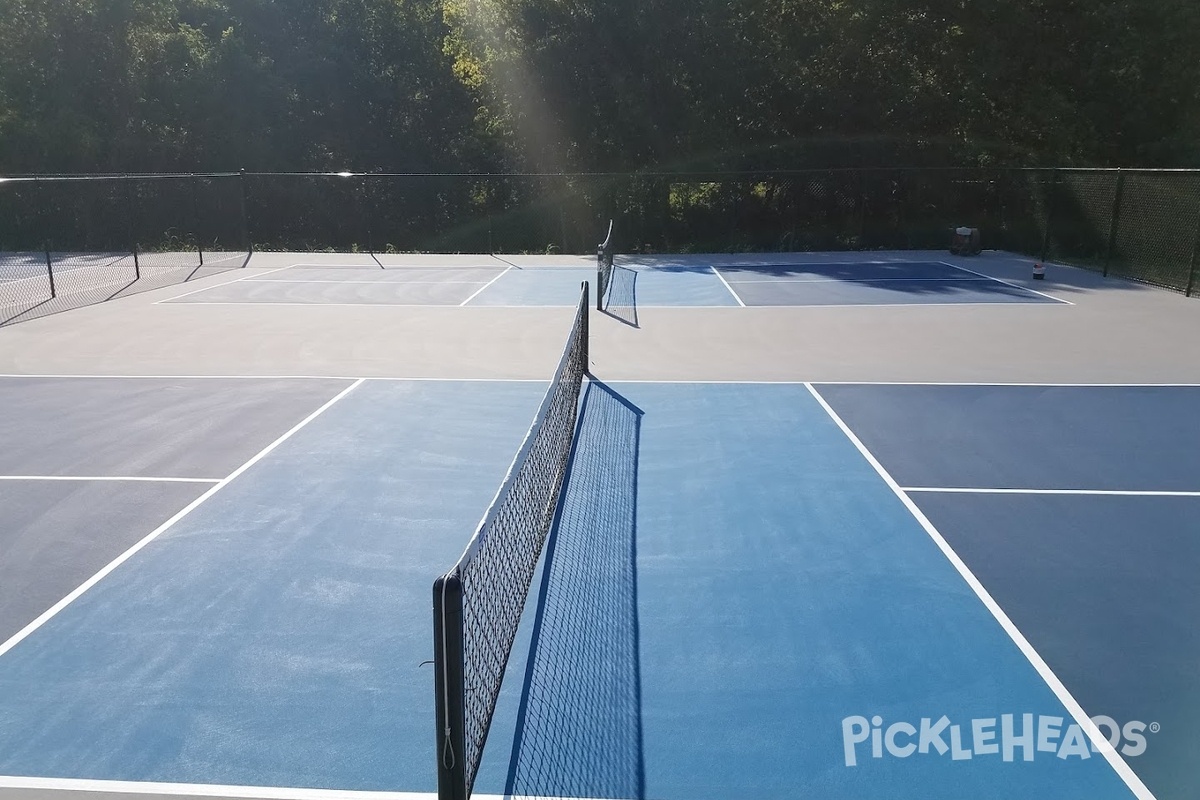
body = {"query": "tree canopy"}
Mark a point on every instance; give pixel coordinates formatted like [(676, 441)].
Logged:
[(586, 85)]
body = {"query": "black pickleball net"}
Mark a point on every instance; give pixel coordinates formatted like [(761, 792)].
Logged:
[(479, 602), (579, 725)]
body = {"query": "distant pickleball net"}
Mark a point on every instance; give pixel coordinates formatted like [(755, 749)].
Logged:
[(604, 267), (478, 604)]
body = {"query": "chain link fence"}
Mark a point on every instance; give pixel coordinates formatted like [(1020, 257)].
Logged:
[(67, 241)]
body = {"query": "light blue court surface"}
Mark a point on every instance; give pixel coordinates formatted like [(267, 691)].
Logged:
[(525, 286), (276, 635), (667, 286)]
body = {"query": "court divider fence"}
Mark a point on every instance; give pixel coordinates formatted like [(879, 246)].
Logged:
[(70, 240)]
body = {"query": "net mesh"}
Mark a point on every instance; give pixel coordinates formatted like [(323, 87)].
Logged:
[(579, 731), (478, 604), (604, 267), (620, 301)]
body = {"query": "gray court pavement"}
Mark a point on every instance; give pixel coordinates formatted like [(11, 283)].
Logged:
[(1113, 331)]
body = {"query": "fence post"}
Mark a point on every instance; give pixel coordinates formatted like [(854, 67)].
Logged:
[(129, 208), (245, 213), (1049, 215), (1195, 260), (1116, 214), (365, 208), (861, 187), (196, 221), (50, 272)]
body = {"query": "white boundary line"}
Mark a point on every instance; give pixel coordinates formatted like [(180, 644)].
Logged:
[(215, 790), (621, 380), (748, 266), (323, 304), (1100, 744), (727, 286), (374, 265), (1013, 383), (1079, 492), (483, 305), (118, 478), (202, 790), (367, 283), (1019, 303), (1008, 283), (868, 280), (486, 285), (342, 378), (51, 612), (226, 258), (751, 382), (215, 285)]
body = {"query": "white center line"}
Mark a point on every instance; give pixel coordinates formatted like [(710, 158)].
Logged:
[(215, 285), (486, 285)]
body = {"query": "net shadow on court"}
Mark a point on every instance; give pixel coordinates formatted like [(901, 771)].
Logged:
[(579, 731)]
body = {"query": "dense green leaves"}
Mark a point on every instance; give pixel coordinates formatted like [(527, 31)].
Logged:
[(551, 85)]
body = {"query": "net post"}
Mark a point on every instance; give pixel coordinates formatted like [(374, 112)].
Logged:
[(599, 276), (583, 324), (364, 211), (245, 211), (50, 272), (1116, 215), (449, 687)]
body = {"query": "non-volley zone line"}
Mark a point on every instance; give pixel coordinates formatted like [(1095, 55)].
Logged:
[(366, 283), (982, 279), (18, 786), (1075, 492), (110, 478)]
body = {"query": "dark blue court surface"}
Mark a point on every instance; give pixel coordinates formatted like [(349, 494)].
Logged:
[(734, 604), (871, 283), (1099, 573)]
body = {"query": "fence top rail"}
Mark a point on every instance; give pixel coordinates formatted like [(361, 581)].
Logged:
[(123, 176), (709, 175)]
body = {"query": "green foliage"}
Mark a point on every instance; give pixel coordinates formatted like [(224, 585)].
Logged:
[(594, 85)]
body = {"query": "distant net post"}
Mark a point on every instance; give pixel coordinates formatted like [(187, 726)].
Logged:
[(604, 267)]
